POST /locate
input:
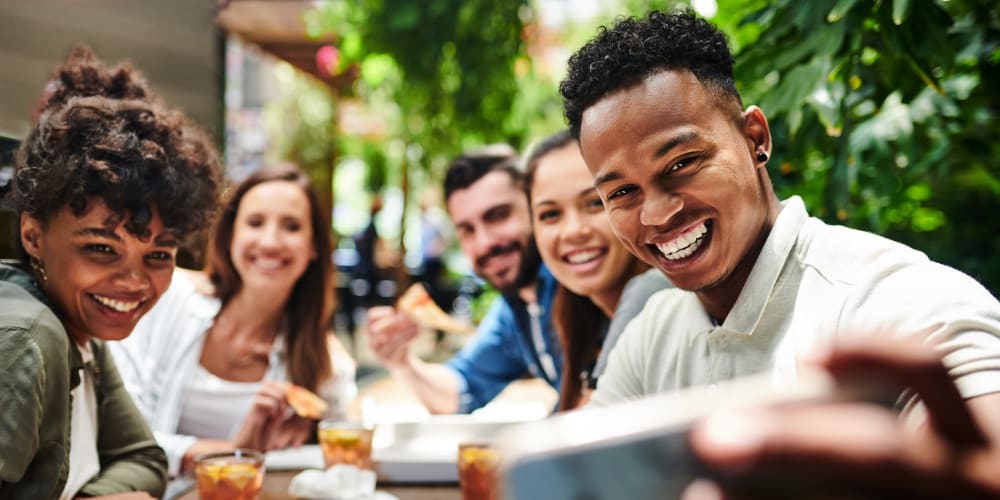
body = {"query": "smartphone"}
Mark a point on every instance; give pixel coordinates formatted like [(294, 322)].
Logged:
[(637, 449)]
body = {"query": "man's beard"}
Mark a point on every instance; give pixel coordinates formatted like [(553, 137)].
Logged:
[(527, 270)]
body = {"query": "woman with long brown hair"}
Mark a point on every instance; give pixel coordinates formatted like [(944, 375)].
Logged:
[(210, 365), (593, 268)]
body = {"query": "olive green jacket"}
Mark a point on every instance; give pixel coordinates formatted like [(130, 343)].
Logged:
[(39, 367)]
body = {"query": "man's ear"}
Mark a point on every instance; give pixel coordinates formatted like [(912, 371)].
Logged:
[(757, 132), (31, 235)]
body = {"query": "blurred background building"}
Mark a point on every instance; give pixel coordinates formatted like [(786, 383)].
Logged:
[(176, 44)]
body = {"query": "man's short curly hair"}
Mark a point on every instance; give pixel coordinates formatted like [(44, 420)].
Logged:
[(101, 133), (635, 49)]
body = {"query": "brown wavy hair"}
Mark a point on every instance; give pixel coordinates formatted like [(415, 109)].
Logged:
[(580, 324), (101, 133), (310, 304)]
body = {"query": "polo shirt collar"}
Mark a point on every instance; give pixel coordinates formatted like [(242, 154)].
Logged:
[(757, 290)]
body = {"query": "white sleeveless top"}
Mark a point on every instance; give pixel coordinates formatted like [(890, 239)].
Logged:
[(212, 407), (158, 361)]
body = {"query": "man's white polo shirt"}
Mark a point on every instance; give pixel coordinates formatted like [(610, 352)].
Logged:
[(811, 283)]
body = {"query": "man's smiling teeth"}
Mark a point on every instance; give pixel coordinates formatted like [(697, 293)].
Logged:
[(683, 245), (582, 256), (117, 305)]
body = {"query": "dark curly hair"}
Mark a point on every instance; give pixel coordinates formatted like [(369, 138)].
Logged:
[(635, 49), (101, 133)]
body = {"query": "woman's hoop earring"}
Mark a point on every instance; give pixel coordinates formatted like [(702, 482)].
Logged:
[(761, 156)]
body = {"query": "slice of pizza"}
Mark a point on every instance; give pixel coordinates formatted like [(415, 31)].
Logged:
[(419, 305), (304, 402)]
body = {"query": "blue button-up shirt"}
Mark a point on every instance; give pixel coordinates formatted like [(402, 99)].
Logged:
[(507, 346)]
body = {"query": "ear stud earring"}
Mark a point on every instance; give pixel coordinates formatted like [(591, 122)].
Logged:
[(761, 156)]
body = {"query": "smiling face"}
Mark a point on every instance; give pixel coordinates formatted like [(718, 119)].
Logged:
[(272, 237), (676, 167), (99, 278), (572, 231), (494, 228)]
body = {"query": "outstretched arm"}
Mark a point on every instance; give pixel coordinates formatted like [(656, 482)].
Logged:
[(389, 335), (859, 450)]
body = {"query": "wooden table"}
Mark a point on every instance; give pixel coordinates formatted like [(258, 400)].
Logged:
[(392, 392), (276, 488)]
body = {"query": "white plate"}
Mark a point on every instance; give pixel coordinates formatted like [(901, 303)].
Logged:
[(427, 451), (304, 457), (424, 451)]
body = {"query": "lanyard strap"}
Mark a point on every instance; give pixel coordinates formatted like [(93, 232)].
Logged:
[(544, 358)]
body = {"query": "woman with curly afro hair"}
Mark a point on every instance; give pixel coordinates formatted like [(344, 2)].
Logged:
[(107, 185)]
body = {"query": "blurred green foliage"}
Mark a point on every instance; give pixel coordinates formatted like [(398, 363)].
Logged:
[(446, 74), (301, 120), (884, 115), (443, 76)]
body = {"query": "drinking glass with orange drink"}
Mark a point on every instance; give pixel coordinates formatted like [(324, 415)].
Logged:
[(477, 471), (347, 443), (233, 475)]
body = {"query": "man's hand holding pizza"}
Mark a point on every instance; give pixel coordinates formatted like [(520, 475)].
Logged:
[(391, 329)]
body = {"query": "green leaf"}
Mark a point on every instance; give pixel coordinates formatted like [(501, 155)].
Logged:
[(795, 86), (919, 192), (900, 8), (376, 68), (794, 119), (840, 10), (827, 107), (821, 43), (925, 76), (351, 48), (933, 46), (926, 219), (978, 178)]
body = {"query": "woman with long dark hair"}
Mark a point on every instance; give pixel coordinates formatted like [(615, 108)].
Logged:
[(593, 268), (210, 365)]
